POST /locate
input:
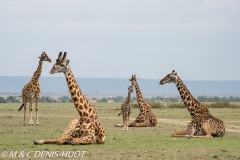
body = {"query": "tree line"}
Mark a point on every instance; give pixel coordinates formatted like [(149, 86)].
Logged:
[(66, 99), (43, 99), (171, 99)]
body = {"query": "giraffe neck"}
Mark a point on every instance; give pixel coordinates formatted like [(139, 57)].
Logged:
[(37, 73), (140, 99), (128, 97), (80, 102), (194, 107)]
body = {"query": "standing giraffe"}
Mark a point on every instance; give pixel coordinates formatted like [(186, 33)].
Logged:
[(88, 128), (32, 89), (126, 109), (146, 118), (203, 124)]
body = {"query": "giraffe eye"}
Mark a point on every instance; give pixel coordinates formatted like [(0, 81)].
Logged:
[(62, 65)]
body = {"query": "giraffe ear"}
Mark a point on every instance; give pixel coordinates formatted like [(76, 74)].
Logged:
[(68, 61)]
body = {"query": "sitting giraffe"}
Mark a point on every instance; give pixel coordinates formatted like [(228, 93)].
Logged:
[(32, 90), (126, 109), (203, 124), (87, 129), (146, 118)]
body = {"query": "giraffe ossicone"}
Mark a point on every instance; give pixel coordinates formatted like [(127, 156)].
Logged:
[(87, 129), (32, 90), (203, 124)]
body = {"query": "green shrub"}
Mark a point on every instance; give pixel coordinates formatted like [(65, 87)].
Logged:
[(134, 105), (224, 104), (152, 104), (156, 105), (176, 105)]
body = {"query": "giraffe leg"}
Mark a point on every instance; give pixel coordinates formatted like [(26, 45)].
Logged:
[(137, 120), (89, 139), (143, 124), (60, 141), (30, 110), (25, 108), (66, 137), (125, 127), (37, 98), (189, 132), (207, 127)]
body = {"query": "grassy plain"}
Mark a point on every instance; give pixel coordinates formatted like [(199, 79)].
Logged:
[(136, 143)]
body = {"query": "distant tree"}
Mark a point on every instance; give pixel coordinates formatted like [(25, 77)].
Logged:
[(173, 99), (94, 98), (48, 99), (64, 99), (232, 99), (210, 99), (202, 98), (159, 98), (153, 99), (134, 98), (224, 99), (104, 99), (216, 99), (237, 99), (2, 100), (118, 99), (12, 99)]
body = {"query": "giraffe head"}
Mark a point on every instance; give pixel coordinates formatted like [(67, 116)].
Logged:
[(133, 80), (130, 89), (172, 77), (44, 57), (61, 64)]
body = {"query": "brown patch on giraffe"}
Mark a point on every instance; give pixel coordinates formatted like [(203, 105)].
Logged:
[(75, 99), (85, 106), (90, 110), (81, 100)]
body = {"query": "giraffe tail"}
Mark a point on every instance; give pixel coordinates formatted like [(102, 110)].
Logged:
[(20, 108), (119, 114)]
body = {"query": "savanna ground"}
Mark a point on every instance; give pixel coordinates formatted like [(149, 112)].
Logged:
[(136, 143)]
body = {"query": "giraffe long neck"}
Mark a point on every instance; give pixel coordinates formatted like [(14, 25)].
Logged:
[(128, 97), (37, 73), (194, 107), (139, 96), (81, 103)]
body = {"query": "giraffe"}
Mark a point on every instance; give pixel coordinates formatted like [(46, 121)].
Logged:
[(126, 109), (32, 89), (88, 128), (146, 118), (203, 124)]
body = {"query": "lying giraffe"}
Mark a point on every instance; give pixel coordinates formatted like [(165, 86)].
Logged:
[(126, 109), (87, 129), (32, 90), (203, 124), (146, 118)]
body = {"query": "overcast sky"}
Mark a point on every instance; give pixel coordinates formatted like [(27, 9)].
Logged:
[(200, 39)]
